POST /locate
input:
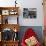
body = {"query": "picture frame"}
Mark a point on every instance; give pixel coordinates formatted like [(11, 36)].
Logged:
[(5, 12), (29, 12), (12, 12)]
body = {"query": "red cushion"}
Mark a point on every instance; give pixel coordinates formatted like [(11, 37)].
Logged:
[(29, 33)]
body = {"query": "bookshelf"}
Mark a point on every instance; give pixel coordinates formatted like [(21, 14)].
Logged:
[(9, 22)]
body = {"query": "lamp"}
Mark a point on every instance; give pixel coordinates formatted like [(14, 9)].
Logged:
[(15, 3), (15, 30)]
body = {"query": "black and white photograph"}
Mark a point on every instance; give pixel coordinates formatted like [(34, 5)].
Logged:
[(25, 12), (29, 12)]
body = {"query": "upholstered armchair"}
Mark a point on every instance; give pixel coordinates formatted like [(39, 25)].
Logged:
[(30, 38)]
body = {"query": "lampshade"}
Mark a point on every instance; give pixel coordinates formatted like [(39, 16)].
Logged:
[(15, 3), (15, 30)]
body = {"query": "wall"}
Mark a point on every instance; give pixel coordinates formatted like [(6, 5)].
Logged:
[(31, 4), (7, 3), (27, 4)]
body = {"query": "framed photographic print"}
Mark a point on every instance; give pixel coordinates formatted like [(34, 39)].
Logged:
[(25, 12), (12, 12), (29, 12), (5, 12)]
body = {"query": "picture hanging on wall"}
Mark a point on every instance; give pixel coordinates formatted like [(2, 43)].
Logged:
[(29, 12)]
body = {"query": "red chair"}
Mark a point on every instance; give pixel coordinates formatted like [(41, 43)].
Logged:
[(29, 33)]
